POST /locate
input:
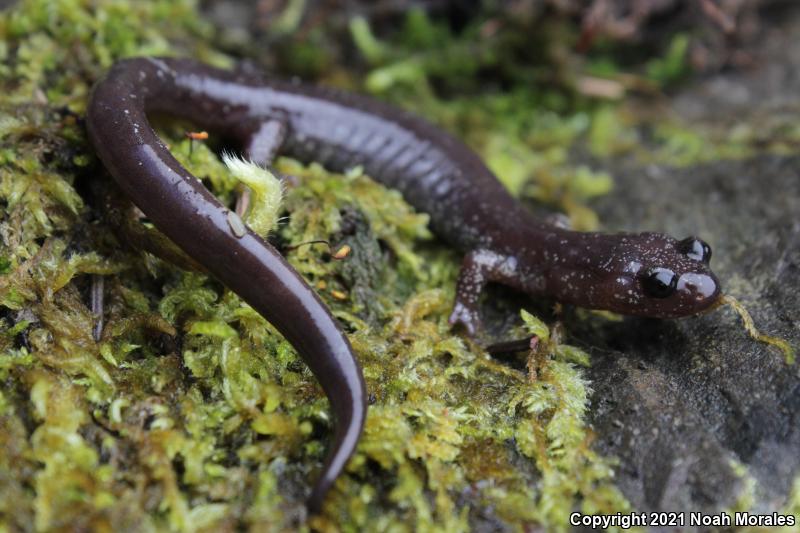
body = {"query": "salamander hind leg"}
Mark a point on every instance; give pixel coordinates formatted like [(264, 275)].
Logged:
[(478, 268), (267, 138)]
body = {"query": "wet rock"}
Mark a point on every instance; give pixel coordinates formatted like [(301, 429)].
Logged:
[(694, 407)]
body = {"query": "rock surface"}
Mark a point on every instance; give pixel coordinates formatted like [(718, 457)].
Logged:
[(684, 404)]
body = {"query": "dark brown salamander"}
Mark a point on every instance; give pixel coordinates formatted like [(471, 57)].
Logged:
[(648, 274)]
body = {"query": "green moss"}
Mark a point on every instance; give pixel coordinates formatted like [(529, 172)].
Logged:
[(265, 194), (673, 65)]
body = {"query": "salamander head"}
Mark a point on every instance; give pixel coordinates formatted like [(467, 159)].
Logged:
[(654, 275)]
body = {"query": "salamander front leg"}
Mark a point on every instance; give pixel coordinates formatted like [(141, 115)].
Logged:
[(478, 268)]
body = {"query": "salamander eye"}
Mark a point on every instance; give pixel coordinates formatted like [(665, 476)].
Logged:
[(659, 282), (696, 249)]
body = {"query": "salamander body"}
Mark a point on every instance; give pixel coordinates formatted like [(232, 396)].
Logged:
[(647, 274)]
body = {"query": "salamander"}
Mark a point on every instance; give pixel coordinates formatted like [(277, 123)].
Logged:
[(647, 274)]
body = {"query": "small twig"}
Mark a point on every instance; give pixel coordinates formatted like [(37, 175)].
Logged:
[(98, 289), (243, 202), (517, 345), (725, 22), (600, 87), (534, 360)]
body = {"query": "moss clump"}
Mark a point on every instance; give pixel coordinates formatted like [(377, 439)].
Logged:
[(264, 192), (190, 411)]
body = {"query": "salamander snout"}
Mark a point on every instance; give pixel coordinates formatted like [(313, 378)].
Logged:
[(683, 283), (698, 286)]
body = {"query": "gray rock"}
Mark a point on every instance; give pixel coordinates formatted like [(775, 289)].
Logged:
[(682, 403)]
